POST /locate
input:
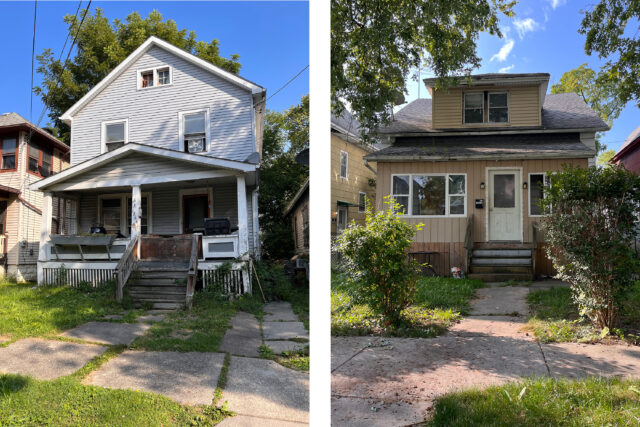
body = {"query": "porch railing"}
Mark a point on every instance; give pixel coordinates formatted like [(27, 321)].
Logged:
[(193, 270), (125, 266), (468, 242)]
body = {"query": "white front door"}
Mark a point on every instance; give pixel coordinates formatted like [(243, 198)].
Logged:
[(505, 205)]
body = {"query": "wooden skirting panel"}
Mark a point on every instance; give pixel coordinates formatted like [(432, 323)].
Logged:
[(230, 282), (544, 266), (449, 255), (75, 276)]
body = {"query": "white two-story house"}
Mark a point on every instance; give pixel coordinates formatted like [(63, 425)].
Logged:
[(163, 142)]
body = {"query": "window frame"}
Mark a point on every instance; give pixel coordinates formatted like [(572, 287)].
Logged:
[(546, 181), (362, 208), (153, 70), (103, 132), (16, 154), (506, 92), (346, 165), (123, 210), (207, 129), (464, 107), (447, 195), (38, 147)]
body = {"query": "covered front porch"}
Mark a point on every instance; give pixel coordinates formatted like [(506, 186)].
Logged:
[(138, 207)]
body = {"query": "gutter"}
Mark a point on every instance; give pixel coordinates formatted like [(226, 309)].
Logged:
[(537, 156), (496, 132), (366, 165)]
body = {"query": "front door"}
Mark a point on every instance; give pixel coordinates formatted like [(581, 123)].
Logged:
[(195, 208), (505, 205), (342, 218)]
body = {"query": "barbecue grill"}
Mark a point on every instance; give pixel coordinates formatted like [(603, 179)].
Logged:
[(218, 226)]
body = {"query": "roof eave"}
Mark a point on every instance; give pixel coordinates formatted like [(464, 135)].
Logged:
[(450, 158), (491, 132)]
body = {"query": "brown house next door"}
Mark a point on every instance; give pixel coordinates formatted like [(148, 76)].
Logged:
[(505, 205), (195, 210)]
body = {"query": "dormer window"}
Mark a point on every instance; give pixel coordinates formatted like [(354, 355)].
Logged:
[(154, 77), (486, 107), (194, 131)]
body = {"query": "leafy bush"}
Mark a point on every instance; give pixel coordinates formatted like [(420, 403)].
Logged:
[(589, 236), (375, 262)]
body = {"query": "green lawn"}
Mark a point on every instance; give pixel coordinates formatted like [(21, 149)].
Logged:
[(438, 303), (555, 317), (27, 312), (543, 402)]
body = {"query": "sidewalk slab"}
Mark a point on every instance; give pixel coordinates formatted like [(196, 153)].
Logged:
[(354, 412), (46, 360), (498, 326), (284, 330), (263, 388), (279, 347), (279, 311), (506, 300), (107, 332), (244, 337), (573, 360), (188, 378), (246, 421)]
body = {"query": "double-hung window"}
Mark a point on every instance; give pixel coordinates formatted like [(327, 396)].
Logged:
[(486, 107), (344, 164), (362, 202), (146, 79), (114, 135), (9, 153), (194, 132), (115, 213), (40, 160), (538, 183), (154, 77), (498, 107), (474, 107), (431, 194), (164, 77)]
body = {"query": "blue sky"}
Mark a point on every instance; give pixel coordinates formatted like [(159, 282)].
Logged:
[(272, 39), (543, 37)]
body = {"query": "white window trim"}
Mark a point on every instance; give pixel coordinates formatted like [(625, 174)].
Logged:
[(464, 107), (448, 207), (123, 209), (103, 133), (362, 193), (489, 106), (140, 71), (207, 129), (346, 168)]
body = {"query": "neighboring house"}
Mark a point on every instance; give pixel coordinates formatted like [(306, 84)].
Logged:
[(351, 177), (629, 154), (298, 211), (164, 141), (471, 164), (27, 154)]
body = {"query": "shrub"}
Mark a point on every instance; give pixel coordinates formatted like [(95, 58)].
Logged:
[(375, 262), (589, 235)]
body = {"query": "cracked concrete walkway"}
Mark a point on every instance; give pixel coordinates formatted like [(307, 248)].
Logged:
[(393, 381)]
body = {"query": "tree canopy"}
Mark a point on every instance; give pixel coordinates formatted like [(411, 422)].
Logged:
[(101, 46), (376, 43), (605, 157), (611, 30)]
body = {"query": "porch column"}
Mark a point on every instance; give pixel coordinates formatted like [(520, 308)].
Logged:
[(136, 213), (45, 233), (243, 233)]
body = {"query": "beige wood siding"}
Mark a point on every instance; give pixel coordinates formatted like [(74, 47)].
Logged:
[(297, 224), (348, 190), (452, 230), (524, 107)]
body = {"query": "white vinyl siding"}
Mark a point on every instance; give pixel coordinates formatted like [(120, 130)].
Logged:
[(153, 114)]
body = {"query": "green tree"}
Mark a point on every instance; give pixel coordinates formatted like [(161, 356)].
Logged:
[(374, 259), (605, 157), (376, 43), (101, 47), (600, 97), (611, 30), (590, 233), (286, 134)]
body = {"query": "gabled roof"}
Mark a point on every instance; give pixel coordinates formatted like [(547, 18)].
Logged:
[(15, 120), (560, 112), (632, 140), (346, 124), (144, 47), (133, 147), (296, 198)]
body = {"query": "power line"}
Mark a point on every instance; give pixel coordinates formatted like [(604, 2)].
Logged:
[(33, 54), (287, 83), (69, 32)]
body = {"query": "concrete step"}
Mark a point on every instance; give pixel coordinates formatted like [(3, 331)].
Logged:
[(501, 261), (513, 269), (501, 253), (500, 277)]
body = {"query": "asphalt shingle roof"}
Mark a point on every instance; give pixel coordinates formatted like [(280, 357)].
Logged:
[(15, 119), (347, 122), (560, 111)]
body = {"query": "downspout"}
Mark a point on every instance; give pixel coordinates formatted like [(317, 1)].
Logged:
[(366, 164)]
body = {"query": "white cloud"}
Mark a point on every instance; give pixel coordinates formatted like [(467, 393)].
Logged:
[(525, 26), (504, 51), (506, 69), (556, 3)]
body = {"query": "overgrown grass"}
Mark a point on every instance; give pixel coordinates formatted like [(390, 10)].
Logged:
[(26, 311), (556, 318), (26, 401), (438, 303), (276, 285), (543, 402), (298, 360)]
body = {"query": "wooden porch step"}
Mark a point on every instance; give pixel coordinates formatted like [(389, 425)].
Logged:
[(159, 281), (500, 277), (512, 269), (501, 253), (502, 245), (501, 261), (158, 289), (155, 274)]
